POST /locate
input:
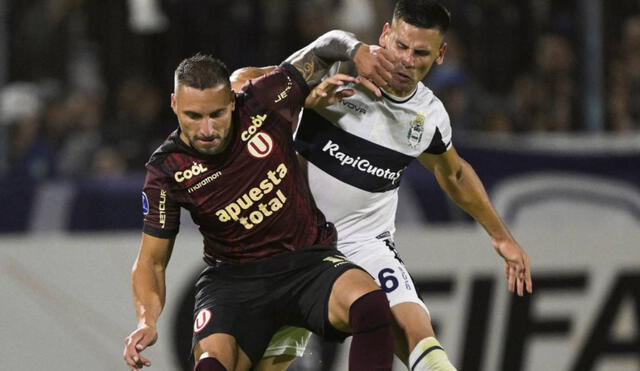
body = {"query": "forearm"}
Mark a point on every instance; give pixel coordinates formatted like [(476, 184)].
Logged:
[(315, 59), (148, 282), (467, 191)]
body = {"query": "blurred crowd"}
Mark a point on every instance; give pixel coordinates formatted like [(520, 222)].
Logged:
[(88, 87)]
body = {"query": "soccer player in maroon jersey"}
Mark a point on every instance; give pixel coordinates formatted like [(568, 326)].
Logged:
[(270, 252)]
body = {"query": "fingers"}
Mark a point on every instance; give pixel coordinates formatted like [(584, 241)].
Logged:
[(346, 93), (385, 57), (511, 279), (380, 77), (370, 85), (383, 66), (134, 344), (527, 276), (519, 278)]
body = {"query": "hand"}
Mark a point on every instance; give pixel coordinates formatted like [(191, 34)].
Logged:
[(517, 270), (375, 66), (135, 343), (326, 94)]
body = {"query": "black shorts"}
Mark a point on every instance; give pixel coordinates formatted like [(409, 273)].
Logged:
[(251, 301)]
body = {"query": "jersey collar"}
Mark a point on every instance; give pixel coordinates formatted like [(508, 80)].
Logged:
[(396, 99)]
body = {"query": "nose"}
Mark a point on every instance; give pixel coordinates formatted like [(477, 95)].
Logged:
[(207, 129), (407, 59)]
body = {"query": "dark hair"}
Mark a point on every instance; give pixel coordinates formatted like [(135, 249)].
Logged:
[(202, 72), (423, 13)]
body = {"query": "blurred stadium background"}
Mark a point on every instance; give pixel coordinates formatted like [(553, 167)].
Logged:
[(544, 99)]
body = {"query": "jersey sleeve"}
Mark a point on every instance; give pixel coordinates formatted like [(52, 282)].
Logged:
[(161, 211), (283, 90), (441, 141)]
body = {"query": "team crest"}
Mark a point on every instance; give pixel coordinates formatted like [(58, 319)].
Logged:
[(202, 319), (416, 129), (260, 145)]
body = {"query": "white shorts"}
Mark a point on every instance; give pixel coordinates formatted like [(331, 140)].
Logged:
[(288, 340), (379, 257)]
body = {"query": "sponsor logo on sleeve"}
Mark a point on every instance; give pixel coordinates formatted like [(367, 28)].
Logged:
[(283, 94), (162, 207), (145, 204)]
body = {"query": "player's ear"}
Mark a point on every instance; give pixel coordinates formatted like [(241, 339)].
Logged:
[(382, 40), (441, 51), (173, 103)]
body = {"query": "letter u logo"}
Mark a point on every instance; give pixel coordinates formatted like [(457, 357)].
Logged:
[(260, 145), (202, 319)]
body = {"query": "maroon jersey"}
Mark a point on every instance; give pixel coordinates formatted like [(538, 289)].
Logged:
[(250, 201)]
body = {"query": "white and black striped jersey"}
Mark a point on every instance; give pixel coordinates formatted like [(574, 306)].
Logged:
[(358, 149)]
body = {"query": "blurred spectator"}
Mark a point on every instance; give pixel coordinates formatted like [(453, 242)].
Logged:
[(624, 79), (107, 163), (457, 89), (140, 122), (82, 138), (44, 35), (30, 151), (545, 99), (498, 35)]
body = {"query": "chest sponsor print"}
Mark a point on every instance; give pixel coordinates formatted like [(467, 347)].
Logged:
[(186, 174), (252, 201)]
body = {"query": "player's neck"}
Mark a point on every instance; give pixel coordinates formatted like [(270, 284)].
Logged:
[(398, 95)]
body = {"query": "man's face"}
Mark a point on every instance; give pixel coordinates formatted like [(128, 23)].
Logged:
[(416, 49), (205, 116)]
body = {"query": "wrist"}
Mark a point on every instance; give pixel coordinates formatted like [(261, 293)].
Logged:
[(357, 50), (501, 237), (144, 322)]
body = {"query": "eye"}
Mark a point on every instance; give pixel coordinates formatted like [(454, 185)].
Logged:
[(193, 115), (217, 113), (401, 45)]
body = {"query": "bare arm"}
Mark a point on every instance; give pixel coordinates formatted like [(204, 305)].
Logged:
[(373, 64), (461, 183), (148, 283)]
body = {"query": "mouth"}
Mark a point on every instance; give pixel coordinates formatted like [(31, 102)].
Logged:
[(402, 77), (208, 142)]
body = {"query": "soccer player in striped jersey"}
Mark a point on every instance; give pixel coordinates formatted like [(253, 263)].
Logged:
[(356, 152)]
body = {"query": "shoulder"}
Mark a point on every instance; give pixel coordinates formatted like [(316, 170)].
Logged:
[(429, 101), (162, 162), (432, 106), (282, 78)]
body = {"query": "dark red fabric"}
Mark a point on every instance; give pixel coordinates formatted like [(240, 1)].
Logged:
[(209, 364), (372, 343), (247, 206)]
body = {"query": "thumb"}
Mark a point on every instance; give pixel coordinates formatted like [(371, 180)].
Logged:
[(145, 341), (346, 93)]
